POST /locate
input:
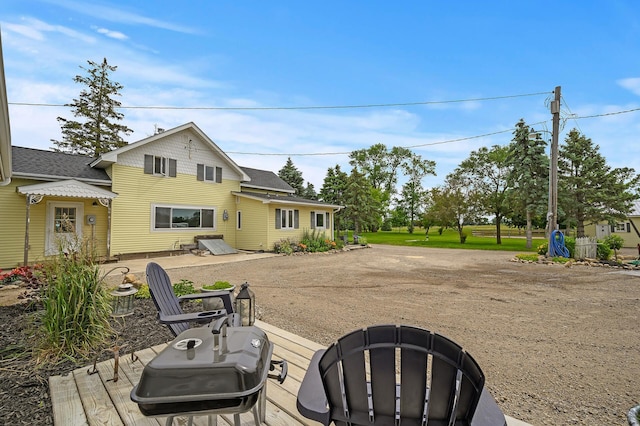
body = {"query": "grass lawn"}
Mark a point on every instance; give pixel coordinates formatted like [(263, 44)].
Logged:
[(512, 239)]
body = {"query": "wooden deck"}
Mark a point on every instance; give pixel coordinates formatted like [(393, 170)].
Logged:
[(83, 399)]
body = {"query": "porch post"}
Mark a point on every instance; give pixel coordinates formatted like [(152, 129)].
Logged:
[(109, 231), (26, 231)]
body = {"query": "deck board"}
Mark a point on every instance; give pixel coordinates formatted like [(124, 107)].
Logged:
[(83, 399)]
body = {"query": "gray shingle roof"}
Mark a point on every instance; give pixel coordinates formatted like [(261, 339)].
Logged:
[(266, 180), (40, 164), (284, 199)]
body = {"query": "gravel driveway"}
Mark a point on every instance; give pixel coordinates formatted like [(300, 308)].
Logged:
[(558, 345)]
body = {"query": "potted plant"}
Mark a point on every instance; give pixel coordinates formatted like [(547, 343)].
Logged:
[(214, 303), (634, 416)]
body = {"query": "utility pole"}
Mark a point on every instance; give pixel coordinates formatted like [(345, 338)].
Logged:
[(552, 215)]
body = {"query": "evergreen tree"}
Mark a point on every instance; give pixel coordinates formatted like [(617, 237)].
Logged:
[(290, 174), (528, 176), (99, 132), (310, 192), (362, 208), (333, 192), (588, 189)]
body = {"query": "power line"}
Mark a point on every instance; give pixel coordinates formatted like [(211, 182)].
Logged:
[(408, 147), (300, 107)]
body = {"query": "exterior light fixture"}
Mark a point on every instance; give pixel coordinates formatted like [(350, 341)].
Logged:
[(245, 305)]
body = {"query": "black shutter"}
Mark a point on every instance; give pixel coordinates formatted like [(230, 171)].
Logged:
[(200, 172), (613, 228), (313, 220), (628, 227), (173, 166), (296, 219), (219, 174), (278, 219), (148, 164)]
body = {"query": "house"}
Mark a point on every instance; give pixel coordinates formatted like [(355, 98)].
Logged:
[(151, 197), (628, 229)]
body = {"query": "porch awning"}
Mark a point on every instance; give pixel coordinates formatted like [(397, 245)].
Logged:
[(67, 188)]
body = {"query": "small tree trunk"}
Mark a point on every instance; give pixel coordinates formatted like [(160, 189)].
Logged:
[(529, 236), (498, 236)]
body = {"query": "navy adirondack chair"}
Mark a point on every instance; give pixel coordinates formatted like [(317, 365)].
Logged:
[(167, 303), (396, 375)]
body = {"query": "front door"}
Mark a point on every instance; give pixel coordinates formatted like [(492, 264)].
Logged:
[(602, 231), (64, 226)]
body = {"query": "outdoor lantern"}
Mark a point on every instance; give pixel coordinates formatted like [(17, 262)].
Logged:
[(245, 305), (122, 300)]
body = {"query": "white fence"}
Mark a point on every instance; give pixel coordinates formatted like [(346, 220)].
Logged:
[(586, 247)]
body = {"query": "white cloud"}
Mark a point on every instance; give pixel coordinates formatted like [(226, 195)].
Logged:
[(631, 84), (36, 29), (113, 34), (111, 13)]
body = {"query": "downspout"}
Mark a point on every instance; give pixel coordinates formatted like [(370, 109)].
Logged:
[(333, 222)]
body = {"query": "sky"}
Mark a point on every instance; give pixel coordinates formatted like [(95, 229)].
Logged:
[(440, 78)]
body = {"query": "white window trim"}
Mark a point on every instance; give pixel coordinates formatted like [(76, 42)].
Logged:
[(284, 213), (324, 220), (164, 164), (180, 206)]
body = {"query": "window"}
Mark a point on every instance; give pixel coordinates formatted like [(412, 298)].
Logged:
[(238, 220), (209, 173), (319, 220), (64, 220), (160, 166), (287, 219), (622, 227), (166, 217)]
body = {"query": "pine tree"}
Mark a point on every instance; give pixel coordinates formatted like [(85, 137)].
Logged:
[(290, 174), (100, 131), (589, 189), (529, 175)]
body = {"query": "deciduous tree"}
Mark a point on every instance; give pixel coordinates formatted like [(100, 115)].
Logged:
[(486, 171)]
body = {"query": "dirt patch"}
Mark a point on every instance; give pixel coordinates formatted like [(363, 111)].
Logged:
[(558, 345)]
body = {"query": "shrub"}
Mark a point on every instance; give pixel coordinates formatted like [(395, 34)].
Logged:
[(143, 292), (570, 244), (183, 287), (604, 251), (284, 246), (543, 248), (75, 321)]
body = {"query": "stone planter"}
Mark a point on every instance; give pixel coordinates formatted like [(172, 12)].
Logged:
[(634, 416), (215, 303)]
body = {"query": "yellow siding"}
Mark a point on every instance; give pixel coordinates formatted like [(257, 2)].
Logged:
[(12, 222), (276, 235), (137, 192), (253, 235), (631, 238), (13, 219)]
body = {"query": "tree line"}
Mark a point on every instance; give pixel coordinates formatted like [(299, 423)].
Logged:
[(509, 183)]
